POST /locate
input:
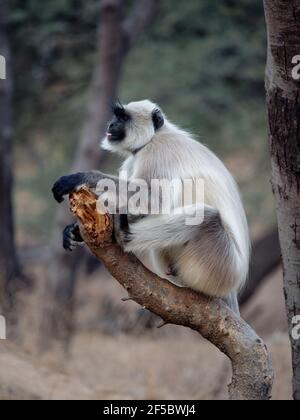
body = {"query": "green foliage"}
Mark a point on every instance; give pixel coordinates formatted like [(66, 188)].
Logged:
[(52, 43), (202, 61)]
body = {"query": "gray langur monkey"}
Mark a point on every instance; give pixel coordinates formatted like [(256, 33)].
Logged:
[(212, 257)]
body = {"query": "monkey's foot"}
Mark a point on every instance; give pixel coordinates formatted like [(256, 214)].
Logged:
[(72, 237), (172, 270)]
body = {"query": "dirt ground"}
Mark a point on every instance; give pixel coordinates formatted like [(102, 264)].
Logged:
[(105, 362)]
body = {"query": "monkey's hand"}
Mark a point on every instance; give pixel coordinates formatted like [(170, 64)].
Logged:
[(72, 237), (66, 185)]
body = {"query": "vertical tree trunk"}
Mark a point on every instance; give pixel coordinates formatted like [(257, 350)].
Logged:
[(116, 37), (9, 268), (283, 102), (103, 89)]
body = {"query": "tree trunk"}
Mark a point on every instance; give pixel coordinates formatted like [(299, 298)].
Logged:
[(283, 102), (115, 40), (63, 266), (9, 268)]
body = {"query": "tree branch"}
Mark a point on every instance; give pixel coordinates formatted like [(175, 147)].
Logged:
[(141, 16), (251, 363)]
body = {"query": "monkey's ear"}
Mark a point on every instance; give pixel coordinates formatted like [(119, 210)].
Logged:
[(158, 119)]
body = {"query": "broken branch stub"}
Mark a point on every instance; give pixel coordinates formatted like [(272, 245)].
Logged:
[(96, 225)]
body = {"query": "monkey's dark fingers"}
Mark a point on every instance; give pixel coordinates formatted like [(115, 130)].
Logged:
[(66, 185), (71, 237), (69, 244)]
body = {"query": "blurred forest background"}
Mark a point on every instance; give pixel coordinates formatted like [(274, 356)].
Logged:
[(203, 62)]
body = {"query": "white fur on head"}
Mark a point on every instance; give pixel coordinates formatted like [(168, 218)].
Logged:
[(139, 130)]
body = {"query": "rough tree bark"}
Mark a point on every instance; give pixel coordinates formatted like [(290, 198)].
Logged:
[(9, 267), (283, 103), (251, 363), (116, 37)]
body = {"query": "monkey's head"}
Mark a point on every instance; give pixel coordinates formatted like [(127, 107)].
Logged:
[(133, 126)]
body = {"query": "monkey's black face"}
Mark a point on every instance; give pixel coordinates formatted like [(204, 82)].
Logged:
[(117, 128)]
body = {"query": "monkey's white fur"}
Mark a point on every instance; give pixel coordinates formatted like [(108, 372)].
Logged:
[(213, 257)]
